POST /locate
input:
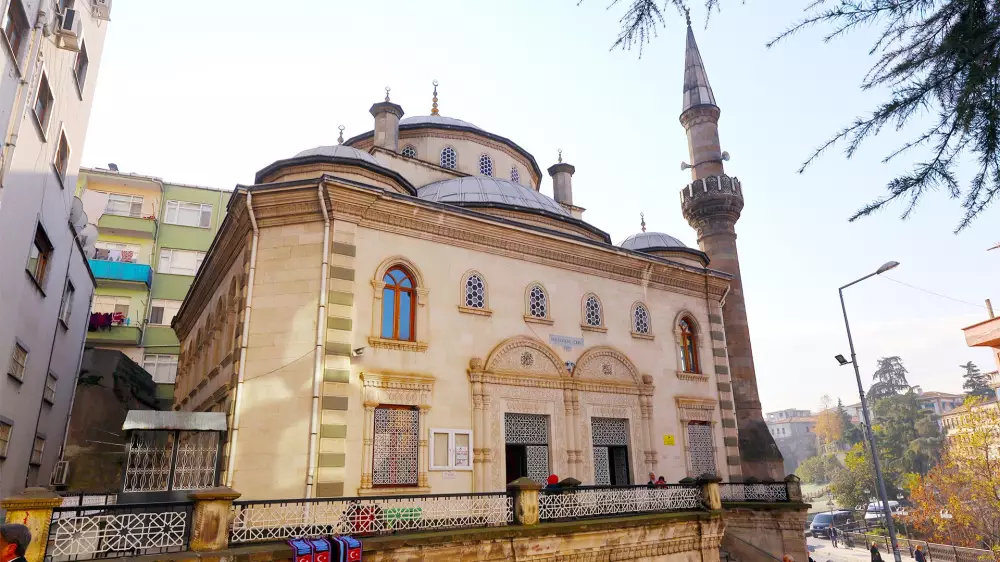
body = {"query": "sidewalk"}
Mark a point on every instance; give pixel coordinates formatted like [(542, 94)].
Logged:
[(821, 551)]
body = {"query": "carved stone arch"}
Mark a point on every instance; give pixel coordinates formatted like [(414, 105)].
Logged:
[(608, 364), (523, 354), (388, 263)]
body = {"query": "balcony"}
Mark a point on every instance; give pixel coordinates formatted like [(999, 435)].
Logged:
[(124, 274), (118, 335), (983, 334), (124, 225)]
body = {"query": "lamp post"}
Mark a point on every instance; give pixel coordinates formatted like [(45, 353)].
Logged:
[(864, 410)]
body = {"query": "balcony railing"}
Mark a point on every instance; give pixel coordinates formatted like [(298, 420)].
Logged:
[(123, 272), (771, 492), (604, 501), (113, 531), (143, 227)]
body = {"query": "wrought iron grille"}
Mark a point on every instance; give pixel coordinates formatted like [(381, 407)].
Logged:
[(593, 311), (89, 532), (538, 462), (148, 468), (605, 501), (759, 492), (701, 449), (609, 432), (640, 320), (538, 306), (261, 521), (602, 466), (475, 292), (526, 429), (395, 447), (194, 467)]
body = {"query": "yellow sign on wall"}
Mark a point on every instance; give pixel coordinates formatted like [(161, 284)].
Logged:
[(668, 440)]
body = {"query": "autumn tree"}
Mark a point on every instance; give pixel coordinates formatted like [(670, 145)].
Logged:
[(829, 426), (976, 382)]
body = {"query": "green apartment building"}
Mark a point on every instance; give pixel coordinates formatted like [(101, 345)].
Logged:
[(152, 238)]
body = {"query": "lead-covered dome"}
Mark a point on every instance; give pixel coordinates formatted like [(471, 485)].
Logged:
[(474, 191), (646, 241), (338, 151), (436, 120)]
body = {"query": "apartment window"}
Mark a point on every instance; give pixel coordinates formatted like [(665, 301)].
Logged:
[(49, 394), (124, 205), (162, 367), (66, 307), (113, 251), (61, 161), (189, 214), (43, 102), (180, 262), (37, 450), (163, 311), (5, 430), (80, 68), (451, 449), (395, 447), (15, 28), (17, 360), (108, 304), (39, 256)]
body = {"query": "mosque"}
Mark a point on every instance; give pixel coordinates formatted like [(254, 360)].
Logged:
[(405, 313)]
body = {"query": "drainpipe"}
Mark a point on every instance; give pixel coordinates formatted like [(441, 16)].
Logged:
[(314, 421), (244, 340), (152, 256), (20, 99)]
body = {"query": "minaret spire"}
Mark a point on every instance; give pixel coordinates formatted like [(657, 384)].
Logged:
[(697, 90)]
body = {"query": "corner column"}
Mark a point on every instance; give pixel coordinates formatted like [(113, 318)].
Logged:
[(367, 444), (210, 529), (423, 463)]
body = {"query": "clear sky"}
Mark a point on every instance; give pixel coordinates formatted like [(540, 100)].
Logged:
[(209, 92)]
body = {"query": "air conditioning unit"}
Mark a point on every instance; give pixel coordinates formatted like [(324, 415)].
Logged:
[(60, 474), (101, 9), (70, 29)]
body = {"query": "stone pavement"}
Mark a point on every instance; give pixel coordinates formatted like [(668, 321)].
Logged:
[(822, 551)]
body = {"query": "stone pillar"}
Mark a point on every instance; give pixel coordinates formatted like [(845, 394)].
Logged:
[(477, 437), (33, 509), (387, 116), (485, 447), (210, 529), (710, 493), (367, 445), (572, 440), (423, 462), (525, 500), (794, 484)]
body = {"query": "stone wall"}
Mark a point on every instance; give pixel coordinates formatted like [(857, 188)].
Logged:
[(765, 532)]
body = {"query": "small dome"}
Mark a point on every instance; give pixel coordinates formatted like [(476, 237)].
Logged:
[(475, 191), (339, 151), (436, 120), (645, 241)]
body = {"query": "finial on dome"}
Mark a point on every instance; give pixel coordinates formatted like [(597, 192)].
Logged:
[(340, 139), (560, 155), (434, 106), (387, 88), (642, 219), (687, 15)]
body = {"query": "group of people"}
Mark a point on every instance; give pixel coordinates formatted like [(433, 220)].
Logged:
[(655, 482)]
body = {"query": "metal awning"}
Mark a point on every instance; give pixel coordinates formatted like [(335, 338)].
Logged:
[(181, 421)]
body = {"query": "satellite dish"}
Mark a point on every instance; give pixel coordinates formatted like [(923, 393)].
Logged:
[(88, 239), (77, 217)]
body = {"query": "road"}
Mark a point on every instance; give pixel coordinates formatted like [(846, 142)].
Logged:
[(822, 551)]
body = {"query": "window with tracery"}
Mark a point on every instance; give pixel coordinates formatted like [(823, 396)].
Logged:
[(485, 165), (592, 311), (475, 291), (514, 175), (689, 347), (398, 305), (409, 151), (640, 319), (538, 302), (449, 158), (395, 446)]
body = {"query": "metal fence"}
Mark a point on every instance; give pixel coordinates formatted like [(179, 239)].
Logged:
[(85, 532), (933, 551), (605, 501), (754, 492), (260, 521)]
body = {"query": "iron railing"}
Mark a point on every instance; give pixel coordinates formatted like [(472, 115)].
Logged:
[(272, 520), (934, 552), (89, 498), (605, 501), (754, 492), (86, 532)]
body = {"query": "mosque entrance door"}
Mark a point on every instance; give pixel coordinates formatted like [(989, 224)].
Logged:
[(527, 446), (610, 439)]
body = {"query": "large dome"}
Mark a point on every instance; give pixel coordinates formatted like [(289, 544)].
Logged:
[(645, 241), (339, 151), (436, 120), (475, 191)]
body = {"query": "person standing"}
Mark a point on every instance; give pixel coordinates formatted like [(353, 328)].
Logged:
[(876, 555), (14, 541), (833, 535), (919, 554)]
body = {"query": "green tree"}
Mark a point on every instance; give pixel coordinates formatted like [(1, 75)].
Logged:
[(890, 379), (852, 433), (820, 469), (939, 61), (976, 382), (908, 436)]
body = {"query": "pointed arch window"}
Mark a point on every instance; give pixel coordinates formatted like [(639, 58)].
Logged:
[(592, 311), (640, 320), (409, 151), (485, 165), (398, 305), (689, 346), (449, 158), (538, 302)]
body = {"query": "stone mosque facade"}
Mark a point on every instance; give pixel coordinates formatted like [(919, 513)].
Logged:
[(405, 313)]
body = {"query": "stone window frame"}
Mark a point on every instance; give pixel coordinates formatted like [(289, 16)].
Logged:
[(601, 327), (700, 375), (441, 157), (547, 319), (462, 307), (693, 409), (421, 318), (395, 389), (649, 320), (485, 165), (411, 148)]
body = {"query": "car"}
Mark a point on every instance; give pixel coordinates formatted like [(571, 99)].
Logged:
[(874, 512), (821, 524)]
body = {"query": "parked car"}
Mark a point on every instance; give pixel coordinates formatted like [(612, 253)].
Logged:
[(874, 512), (821, 524)]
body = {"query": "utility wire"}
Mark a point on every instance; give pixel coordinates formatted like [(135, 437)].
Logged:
[(932, 292)]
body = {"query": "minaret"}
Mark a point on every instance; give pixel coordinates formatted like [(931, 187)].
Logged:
[(712, 204)]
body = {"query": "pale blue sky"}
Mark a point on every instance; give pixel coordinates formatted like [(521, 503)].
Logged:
[(209, 92)]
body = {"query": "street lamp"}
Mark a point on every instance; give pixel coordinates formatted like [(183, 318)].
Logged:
[(864, 410)]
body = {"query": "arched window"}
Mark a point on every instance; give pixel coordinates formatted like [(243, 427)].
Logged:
[(398, 305), (409, 151), (475, 291), (485, 165), (514, 175), (592, 311), (449, 158), (538, 302), (640, 319), (689, 347)]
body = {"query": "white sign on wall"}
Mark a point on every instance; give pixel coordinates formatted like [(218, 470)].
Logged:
[(566, 342)]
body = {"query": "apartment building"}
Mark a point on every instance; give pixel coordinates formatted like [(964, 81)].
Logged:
[(50, 52)]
